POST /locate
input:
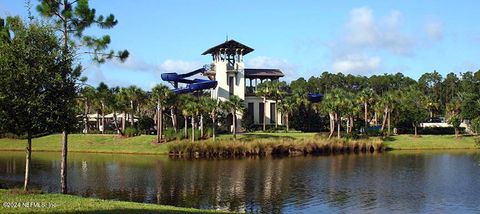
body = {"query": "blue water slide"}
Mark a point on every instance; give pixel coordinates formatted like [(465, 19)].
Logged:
[(315, 98), (192, 85)]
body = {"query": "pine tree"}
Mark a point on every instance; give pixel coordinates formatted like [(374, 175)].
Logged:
[(73, 17)]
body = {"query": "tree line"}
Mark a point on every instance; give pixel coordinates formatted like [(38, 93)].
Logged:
[(352, 104), (40, 70), (151, 111), (388, 100)]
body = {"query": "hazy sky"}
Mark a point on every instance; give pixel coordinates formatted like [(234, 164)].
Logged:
[(302, 38)]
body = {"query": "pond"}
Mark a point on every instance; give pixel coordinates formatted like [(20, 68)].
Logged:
[(419, 182)]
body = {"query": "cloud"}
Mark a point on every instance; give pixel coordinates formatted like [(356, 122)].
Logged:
[(94, 74), (178, 66), (356, 64), (133, 64), (290, 70), (366, 38), (434, 29), (363, 31)]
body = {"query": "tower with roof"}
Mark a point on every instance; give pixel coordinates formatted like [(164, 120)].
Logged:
[(228, 69)]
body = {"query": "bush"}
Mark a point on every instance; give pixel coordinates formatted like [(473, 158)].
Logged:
[(476, 125), (374, 131), (145, 124), (248, 123), (22, 137), (131, 131), (439, 130), (353, 136), (226, 148), (455, 121)]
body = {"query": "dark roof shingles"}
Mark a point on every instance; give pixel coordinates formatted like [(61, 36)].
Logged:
[(231, 45), (260, 72)]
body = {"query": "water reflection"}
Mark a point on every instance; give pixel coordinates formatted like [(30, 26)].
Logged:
[(398, 182)]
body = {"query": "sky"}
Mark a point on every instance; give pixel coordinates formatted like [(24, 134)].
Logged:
[(303, 38)]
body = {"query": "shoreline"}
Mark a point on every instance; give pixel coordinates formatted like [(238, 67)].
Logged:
[(174, 155), (87, 152), (14, 200)]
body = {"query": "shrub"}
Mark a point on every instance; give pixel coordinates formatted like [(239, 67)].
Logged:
[(170, 134), (131, 131), (145, 124), (476, 125), (240, 148), (248, 123), (439, 130), (22, 137)]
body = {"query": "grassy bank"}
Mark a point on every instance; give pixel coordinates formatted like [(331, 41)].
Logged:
[(90, 143), (410, 142), (16, 202), (274, 146), (249, 143)]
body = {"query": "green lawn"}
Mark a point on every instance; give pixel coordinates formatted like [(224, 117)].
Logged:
[(115, 144), (405, 142), (90, 143), (57, 203), (143, 144)]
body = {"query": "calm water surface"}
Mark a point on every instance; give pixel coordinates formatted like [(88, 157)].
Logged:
[(394, 182)]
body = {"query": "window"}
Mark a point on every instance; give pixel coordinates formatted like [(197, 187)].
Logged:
[(272, 113), (231, 85), (250, 111), (261, 111)]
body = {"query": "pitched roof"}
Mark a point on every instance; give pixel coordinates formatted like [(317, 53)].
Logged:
[(261, 72), (231, 46)]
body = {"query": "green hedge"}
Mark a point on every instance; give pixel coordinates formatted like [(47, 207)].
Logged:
[(439, 130)]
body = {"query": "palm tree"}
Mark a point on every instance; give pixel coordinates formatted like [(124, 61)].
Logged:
[(387, 101), (185, 117), (264, 90), (173, 102), (183, 102), (103, 93), (366, 96), (192, 109), (328, 105), (125, 100), (212, 106), (286, 108), (160, 94), (454, 107), (351, 110), (336, 103), (277, 92), (432, 106), (207, 105), (136, 95), (88, 95), (234, 104), (115, 105)]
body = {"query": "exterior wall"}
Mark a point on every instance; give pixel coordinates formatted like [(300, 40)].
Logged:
[(240, 80), (256, 100), (222, 76), (221, 92)]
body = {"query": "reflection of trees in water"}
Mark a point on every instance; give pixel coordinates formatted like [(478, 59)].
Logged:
[(345, 183)]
